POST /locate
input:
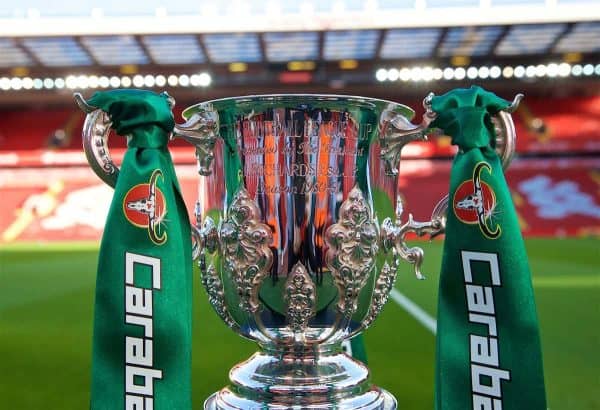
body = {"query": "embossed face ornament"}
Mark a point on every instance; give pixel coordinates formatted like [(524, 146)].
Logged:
[(201, 130), (302, 300)]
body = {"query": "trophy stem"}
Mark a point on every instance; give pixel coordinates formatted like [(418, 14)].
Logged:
[(319, 377)]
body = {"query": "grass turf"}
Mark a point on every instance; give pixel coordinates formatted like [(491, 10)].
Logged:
[(46, 304)]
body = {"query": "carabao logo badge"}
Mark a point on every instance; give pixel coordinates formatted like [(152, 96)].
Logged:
[(144, 206), (475, 202)]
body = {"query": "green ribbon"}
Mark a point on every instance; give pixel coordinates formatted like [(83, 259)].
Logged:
[(143, 306), (488, 346)]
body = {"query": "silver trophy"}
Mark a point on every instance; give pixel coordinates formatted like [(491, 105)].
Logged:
[(299, 233)]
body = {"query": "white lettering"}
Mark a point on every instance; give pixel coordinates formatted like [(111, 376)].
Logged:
[(134, 402), (138, 351), (490, 258), (138, 402), (489, 374), (484, 350), (139, 359), (146, 322), (486, 376), (135, 374), (138, 301), (480, 299), (133, 258), (486, 403), (490, 321)]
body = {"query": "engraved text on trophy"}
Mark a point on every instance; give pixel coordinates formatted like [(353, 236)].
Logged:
[(302, 156)]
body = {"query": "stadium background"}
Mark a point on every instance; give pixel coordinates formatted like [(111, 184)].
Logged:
[(53, 207)]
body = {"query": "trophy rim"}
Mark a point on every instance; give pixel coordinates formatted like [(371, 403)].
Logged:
[(247, 104)]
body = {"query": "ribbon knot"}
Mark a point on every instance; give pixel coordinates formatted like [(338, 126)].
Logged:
[(465, 115), (143, 116)]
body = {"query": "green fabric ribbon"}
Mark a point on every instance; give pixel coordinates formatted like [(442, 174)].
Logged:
[(143, 306), (488, 346)]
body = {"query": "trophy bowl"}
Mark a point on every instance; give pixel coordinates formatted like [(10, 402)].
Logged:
[(297, 241)]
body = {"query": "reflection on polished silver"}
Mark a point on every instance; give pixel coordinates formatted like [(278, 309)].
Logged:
[(394, 233), (352, 250), (201, 130), (396, 131), (383, 286), (96, 131), (205, 238), (506, 137), (216, 295), (300, 297), (245, 244)]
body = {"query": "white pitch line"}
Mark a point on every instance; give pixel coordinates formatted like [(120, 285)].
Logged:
[(414, 310)]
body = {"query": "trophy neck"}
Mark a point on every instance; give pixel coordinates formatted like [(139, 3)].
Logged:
[(309, 351)]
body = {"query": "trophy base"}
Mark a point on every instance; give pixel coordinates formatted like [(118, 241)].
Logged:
[(323, 378), (387, 402)]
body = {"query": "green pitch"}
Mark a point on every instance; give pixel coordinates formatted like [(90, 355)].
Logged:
[(46, 302)]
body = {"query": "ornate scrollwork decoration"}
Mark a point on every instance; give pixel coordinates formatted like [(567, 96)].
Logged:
[(381, 293), (216, 295), (395, 131), (393, 236), (353, 244), (202, 131), (245, 242), (300, 297)]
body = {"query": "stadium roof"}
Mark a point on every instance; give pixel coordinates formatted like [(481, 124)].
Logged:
[(276, 44)]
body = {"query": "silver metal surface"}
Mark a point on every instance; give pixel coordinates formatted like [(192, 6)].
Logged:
[(200, 130), (393, 236), (296, 378), (396, 131), (300, 297), (216, 296), (353, 246), (383, 286), (245, 242), (96, 130), (205, 237)]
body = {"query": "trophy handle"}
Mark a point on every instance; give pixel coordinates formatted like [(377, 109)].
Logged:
[(201, 130), (96, 130)]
